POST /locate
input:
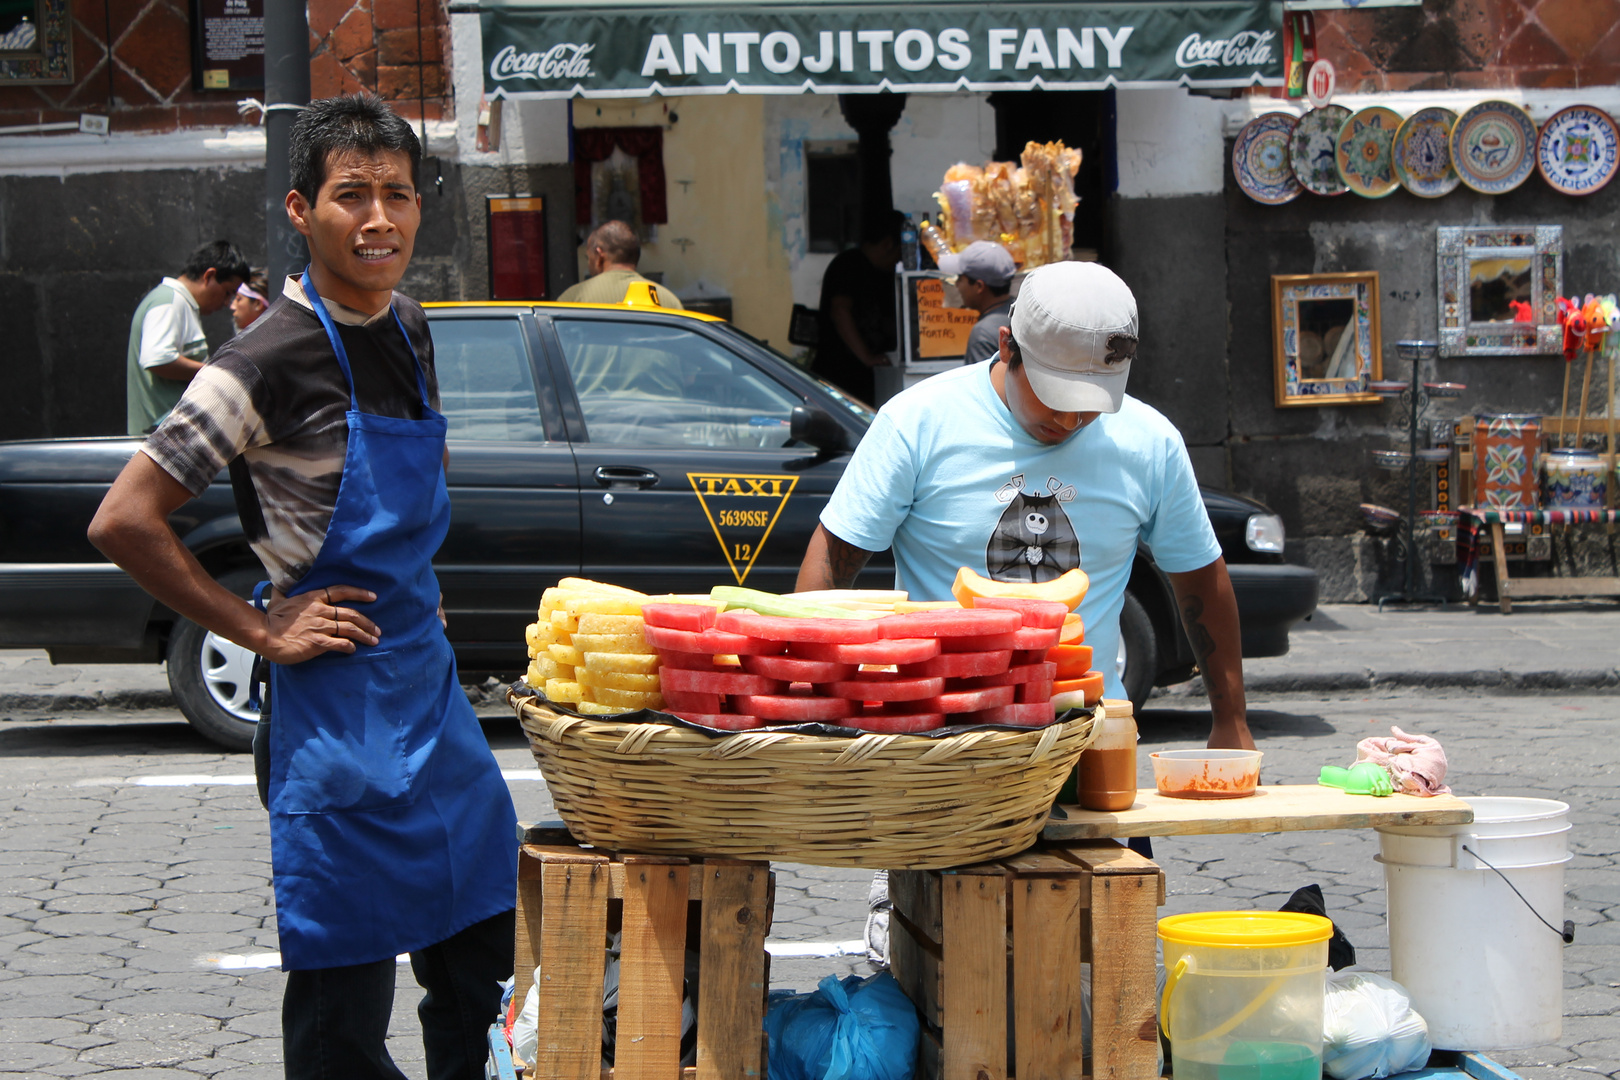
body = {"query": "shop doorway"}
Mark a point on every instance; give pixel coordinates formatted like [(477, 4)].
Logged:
[(1084, 119)]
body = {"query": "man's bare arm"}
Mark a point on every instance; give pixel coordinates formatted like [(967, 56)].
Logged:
[(830, 563), (1209, 614), (132, 529), (179, 369)]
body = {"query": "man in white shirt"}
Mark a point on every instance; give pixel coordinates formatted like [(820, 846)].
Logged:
[(167, 345)]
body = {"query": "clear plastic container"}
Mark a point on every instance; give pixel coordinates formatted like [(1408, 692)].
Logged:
[(1206, 774), (1243, 994)]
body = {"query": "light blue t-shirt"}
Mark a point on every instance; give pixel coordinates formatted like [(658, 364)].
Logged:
[(947, 478)]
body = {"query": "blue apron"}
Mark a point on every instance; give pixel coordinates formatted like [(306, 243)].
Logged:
[(390, 825)]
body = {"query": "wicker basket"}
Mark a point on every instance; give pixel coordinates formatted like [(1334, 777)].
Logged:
[(880, 801)]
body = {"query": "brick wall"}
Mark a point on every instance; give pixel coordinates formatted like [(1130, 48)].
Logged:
[(1473, 44), (354, 44), (372, 45)]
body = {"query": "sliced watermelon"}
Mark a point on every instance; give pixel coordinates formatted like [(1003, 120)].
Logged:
[(951, 622), (723, 721), (1029, 656), (717, 682), (692, 617), (793, 708), (685, 701), (891, 688), (1042, 613), (1018, 673), (697, 661), (1034, 714), (961, 665), (1035, 637), (792, 669), (833, 631), (980, 642), (962, 701), (1031, 692), (893, 651), (710, 641), (885, 723)]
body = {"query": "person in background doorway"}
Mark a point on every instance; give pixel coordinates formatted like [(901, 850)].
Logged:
[(612, 252), (857, 309), (166, 341), (984, 271), (252, 297)]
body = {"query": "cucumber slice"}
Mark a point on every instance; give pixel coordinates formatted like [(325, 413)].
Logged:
[(772, 604)]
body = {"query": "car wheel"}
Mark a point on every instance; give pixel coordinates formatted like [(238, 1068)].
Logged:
[(208, 675), (1138, 660)]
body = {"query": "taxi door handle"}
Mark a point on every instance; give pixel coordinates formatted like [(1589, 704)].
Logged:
[(618, 476)]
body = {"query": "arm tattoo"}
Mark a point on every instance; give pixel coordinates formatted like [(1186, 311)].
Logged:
[(844, 562), (1198, 635)]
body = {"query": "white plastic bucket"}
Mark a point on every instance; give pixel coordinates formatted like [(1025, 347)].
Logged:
[(1481, 968)]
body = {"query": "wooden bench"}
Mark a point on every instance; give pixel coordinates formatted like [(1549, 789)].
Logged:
[(569, 899), (959, 938)]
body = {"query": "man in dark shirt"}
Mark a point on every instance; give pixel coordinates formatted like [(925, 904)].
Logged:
[(857, 309), (390, 825), (984, 271)]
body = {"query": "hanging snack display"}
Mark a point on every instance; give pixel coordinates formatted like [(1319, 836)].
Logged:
[(1028, 208)]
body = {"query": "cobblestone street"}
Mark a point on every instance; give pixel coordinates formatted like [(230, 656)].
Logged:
[(136, 916)]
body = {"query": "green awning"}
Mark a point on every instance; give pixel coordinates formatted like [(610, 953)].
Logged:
[(637, 48)]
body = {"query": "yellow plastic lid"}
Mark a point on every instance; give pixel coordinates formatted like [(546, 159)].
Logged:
[(1245, 929)]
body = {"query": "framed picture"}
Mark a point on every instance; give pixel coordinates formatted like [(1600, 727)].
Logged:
[(1325, 338), (1499, 287), (35, 42), (517, 246)]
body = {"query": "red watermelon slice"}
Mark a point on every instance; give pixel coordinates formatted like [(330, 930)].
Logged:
[(709, 641), (1034, 714), (693, 617), (792, 669), (1042, 613), (793, 708), (723, 721), (963, 701), (697, 661), (1036, 637), (716, 682), (828, 631), (1034, 692), (891, 688), (1019, 673), (894, 651), (884, 723), (961, 665), (980, 642), (951, 622), (685, 701)]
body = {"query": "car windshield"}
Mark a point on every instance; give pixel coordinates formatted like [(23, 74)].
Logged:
[(855, 405)]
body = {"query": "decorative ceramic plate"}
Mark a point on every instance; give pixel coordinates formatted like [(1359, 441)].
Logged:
[(1422, 153), (1362, 152), (1310, 150), (1493, 147), (1576, 152), (1260, 159)]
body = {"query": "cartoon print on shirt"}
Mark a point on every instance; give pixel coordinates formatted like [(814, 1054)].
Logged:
[(1034, 541)]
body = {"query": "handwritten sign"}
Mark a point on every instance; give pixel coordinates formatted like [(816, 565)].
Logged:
[(942, 332)]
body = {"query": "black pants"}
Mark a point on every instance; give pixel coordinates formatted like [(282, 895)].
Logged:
[(334, 1021)]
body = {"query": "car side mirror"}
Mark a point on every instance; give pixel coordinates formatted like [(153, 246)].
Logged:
[(815, 428)]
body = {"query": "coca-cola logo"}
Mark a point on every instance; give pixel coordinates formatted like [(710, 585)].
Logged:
[(561, 61), (1245, 49)]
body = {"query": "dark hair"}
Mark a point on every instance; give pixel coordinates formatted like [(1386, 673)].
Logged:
[(355, 123), (618, 242), (1002, 290), (882, 226), (259, 282), (1015, 355), (221, 257)]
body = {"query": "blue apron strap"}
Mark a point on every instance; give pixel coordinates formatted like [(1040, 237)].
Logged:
[(257, 670), (319, 307)]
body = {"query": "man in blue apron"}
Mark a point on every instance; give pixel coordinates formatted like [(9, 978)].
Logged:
[(391, 827)]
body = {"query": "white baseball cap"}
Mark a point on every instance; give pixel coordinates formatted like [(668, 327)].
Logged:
[(982, 260), (1075, 325)]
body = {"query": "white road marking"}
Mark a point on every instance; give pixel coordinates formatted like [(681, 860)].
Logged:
[(231, 779), (788, 950)]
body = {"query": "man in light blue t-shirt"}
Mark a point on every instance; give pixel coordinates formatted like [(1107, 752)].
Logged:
[(1034, 463)]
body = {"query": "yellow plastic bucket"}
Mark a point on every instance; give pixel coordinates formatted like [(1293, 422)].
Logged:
[(1243, 996)]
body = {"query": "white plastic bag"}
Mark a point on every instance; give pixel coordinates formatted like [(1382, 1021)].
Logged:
[(1369, 1029)]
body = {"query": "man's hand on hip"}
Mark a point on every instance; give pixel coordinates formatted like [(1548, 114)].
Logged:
[(304, 626)]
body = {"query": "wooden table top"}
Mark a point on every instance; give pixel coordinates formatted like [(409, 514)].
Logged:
[(1272, 808)]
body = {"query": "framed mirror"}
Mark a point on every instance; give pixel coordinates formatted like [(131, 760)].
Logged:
[(35, 42), (1325, 338), (1499, 289)]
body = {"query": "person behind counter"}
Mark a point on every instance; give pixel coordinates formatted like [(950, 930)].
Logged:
[(857, 309), (612, 253), (390, 825), (983, 271), (1017, 466)]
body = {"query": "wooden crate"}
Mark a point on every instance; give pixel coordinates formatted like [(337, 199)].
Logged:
[(968, 944), (569, 899)]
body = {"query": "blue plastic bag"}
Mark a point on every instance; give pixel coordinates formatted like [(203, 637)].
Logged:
[(858, 1029)]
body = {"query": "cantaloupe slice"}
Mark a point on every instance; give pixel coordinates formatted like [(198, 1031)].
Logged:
[(1069, 589)]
